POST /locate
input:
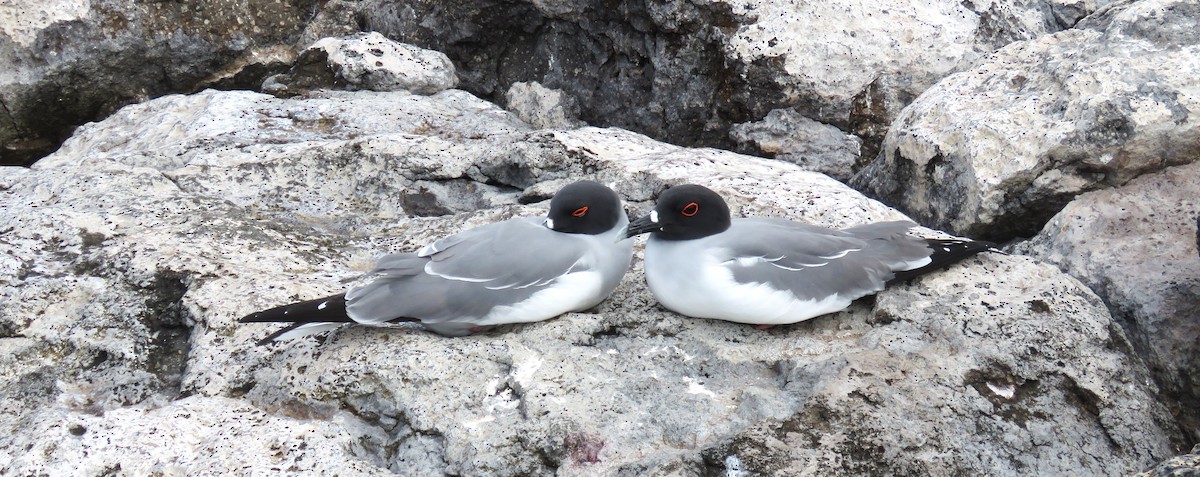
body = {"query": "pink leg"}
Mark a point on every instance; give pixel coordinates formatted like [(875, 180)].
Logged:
[(763, 327)]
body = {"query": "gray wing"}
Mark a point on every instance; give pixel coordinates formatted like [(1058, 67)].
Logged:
[(465, 275), (814, 262)]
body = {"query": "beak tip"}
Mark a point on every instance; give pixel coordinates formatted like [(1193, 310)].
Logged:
[(640, 226)]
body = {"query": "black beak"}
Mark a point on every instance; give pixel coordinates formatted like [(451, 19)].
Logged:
[(641, 226)]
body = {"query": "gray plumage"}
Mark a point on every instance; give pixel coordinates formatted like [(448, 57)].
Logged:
[(454, 284), (814, 262), (703, 263), (767, 271)]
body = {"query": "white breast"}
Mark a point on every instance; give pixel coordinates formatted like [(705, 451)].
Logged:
[(688, 278), (572, 292)]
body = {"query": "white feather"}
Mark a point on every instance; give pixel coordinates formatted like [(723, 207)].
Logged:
[(429, 270), (307, 329), (840, 254), (571, 292), (711, 291)]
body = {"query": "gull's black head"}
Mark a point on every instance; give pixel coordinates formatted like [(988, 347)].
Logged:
[(584, 207), (684, 212)]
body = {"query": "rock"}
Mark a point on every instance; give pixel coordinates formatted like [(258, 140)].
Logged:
[(204, 435), (150, 233), (680, 71), (997, 150), (542, 107), (944, 352), (367, 61), (66, 62), (1183, 466), (1133, 245), (813, 146), (696, 68)]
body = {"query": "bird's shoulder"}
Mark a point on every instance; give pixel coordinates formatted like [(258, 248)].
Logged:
[(517, 251), (776, 238), (488, 236)]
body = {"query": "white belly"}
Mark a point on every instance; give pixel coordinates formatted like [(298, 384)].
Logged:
[(690, 280), (573, 292)]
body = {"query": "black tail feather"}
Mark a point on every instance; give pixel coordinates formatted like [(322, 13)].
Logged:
[(331, 309), (945, 253)]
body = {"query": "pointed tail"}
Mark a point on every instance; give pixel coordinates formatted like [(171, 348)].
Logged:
[(945, 253), (306, 317)]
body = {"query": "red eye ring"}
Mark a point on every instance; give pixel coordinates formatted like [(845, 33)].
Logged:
[(580, 212), (691, 209)]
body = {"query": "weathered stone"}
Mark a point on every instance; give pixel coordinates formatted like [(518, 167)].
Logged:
[(1187, 465), (691, 70), (542, 107), (788, 136), (997, 150), (680, 71), (66, 62), (240, 201), (1133, 245), (202, 435), (367, 61)]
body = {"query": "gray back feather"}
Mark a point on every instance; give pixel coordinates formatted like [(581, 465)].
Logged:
[(814, 262), (463, 276)]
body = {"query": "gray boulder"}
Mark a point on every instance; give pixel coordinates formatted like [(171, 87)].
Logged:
[(133, 250), (367, 61), (66, 62), (1134, 245), (997, 150), (786, 135), (542, 107), (679, 71), (685, 72)]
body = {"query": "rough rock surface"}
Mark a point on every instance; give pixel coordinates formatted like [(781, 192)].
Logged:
[(130, 253), (542, 107), (200, 435), (789, 136), (686, 71), (1134, 245), (367, 61), (66, 62), (1187, 465), (997, 150), (680, 71)]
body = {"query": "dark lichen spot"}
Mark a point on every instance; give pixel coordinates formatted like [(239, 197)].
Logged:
[(584, 448)]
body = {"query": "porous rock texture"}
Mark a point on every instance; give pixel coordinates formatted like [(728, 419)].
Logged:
[(131, 252), (1135, 246), (66, 62), (1187, 465), (542, 107), (686, 71), (682, 71), (366, 61), (789, 136), (996, 150)]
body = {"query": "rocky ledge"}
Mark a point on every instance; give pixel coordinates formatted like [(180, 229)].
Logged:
[(130, 251), (134, 248)]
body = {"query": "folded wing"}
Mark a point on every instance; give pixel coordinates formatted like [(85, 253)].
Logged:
[(468, 274), (815, 263)]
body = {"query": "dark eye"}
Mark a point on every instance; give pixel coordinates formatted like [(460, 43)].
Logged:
[(580, 212), (691, 209)]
